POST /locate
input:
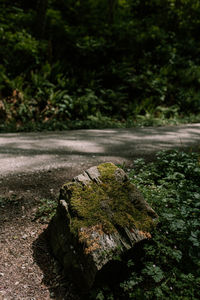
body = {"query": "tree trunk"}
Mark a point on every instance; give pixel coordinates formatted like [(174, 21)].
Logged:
[(41, 17), (112, 6), (100, 215)]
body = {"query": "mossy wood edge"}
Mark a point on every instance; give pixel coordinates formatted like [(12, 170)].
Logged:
[(100, 214)]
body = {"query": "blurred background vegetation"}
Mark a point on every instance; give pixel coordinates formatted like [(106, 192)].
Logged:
[(98, 63)]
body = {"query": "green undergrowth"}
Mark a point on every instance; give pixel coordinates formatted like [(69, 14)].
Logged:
[(167, 266), (12, 199), (46, 210), (121, 63), (161, 116)]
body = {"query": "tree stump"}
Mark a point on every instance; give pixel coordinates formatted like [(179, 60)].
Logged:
[(100, 215)]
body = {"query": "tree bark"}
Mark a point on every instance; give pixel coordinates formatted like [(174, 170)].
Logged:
[(41, 17), (100, 215), (112, 6)]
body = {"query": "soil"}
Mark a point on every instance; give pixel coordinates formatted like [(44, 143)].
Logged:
[(27, 269)]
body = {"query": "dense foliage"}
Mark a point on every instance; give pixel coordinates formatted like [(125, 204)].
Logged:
[(80, 63), (168, 266)]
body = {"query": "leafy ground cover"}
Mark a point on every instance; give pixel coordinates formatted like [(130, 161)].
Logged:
[(169, 264), (161, 116)]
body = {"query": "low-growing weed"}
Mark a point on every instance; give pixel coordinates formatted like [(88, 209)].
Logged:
[(46, 210), (10, 200)]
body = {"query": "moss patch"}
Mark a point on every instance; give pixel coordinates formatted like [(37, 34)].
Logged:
[(107, 204)]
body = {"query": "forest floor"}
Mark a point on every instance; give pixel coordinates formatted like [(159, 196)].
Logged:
[(27, 269)]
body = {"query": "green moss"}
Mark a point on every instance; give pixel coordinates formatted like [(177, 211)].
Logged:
[(107, 203), (107, 171)]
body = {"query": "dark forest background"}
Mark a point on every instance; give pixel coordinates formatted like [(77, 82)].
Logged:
[(97, 63)]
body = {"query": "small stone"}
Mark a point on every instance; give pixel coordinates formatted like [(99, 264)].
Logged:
[(17, 282)]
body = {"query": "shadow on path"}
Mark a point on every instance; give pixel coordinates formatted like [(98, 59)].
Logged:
[(59, 286), (26, 152)]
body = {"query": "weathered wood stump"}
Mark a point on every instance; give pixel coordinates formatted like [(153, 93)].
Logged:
[(100, 215)]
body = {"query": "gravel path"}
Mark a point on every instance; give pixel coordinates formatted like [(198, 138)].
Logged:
[(30, 152)]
